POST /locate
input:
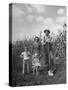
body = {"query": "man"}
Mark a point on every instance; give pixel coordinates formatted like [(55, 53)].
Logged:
[(48, 51)]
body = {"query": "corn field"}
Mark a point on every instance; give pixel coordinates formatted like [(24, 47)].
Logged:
[(59, 46)]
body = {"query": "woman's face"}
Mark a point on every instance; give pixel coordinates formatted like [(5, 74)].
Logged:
[(36, 39)]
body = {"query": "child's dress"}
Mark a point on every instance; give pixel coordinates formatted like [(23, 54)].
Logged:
[(35, 62)]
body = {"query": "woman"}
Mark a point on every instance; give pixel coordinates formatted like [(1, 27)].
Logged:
[(37, 46)]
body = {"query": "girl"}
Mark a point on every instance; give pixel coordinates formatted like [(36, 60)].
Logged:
[(35, 63)]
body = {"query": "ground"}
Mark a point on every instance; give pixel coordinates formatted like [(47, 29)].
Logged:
[(43, 78)]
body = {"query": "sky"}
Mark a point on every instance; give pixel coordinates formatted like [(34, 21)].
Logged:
[(29, 19)]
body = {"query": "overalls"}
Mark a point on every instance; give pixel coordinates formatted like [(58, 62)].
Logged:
[(48, 52)]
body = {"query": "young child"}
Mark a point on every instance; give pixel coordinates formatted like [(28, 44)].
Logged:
[(35, 63), (25, 56)]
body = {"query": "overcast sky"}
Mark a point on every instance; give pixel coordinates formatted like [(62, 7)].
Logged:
[(30, 19)]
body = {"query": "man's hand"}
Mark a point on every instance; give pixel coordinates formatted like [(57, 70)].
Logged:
[(43, 43)]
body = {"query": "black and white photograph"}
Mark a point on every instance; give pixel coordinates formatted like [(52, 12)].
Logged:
[(37, 44)]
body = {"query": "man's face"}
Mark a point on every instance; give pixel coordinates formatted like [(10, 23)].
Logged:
[(46, 34)]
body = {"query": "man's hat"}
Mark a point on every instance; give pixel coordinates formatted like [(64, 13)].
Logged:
[(47, 30)]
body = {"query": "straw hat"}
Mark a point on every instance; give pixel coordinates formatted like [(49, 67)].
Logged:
[(47, 30)]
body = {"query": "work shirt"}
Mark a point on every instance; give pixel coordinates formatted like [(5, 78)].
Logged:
[(46, 39), (25, 55), (47, 42)]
